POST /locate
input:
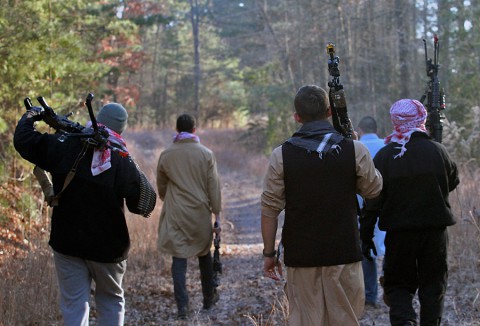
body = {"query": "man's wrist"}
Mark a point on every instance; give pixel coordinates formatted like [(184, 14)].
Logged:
[(269, 254)]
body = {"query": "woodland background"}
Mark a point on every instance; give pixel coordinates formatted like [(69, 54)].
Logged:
[(235, 65)]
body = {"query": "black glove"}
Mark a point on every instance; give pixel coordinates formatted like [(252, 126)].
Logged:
[(35, 113), (367, 248)]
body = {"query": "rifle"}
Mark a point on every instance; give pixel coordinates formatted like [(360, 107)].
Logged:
[(434, 96), (336, 96), (217, 265), (67, 128), (97, 136)]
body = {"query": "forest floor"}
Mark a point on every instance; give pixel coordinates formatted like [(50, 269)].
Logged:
[(246, 297)]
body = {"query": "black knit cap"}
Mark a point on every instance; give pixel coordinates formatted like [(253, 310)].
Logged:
[(114, 116)]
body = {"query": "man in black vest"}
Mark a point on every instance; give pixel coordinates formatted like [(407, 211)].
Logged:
[(315, 176)]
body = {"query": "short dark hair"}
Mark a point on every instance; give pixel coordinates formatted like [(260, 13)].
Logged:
[(311, 103), (368, 125), (185, 122)]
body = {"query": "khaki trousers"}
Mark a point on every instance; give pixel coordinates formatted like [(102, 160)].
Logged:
[(325, 296)]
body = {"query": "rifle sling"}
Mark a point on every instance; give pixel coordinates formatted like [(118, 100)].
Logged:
[(70, 174)]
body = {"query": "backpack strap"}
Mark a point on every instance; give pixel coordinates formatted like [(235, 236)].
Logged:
[(70, 174)]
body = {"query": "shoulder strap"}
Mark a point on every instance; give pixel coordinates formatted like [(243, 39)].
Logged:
[(70, 174)]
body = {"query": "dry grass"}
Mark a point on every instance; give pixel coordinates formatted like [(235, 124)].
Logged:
[(28, 289), (464, 254)]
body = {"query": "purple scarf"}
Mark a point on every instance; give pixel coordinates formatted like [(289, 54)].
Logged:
[(185, 135)]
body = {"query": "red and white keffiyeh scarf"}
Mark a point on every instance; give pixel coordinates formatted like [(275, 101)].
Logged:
[(407, 117), (185, 135), (101, 157)]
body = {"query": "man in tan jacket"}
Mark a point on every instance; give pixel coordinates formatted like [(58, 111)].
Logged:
[(188, 184), (314, 176)]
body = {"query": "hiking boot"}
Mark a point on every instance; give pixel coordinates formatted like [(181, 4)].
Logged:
[(372, 304), (208, 303), (385, 299), (182, 313)]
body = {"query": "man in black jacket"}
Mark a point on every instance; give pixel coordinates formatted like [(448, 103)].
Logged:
[(89, 234), (413, 208)]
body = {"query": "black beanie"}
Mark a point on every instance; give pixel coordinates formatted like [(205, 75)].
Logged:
[(114, 116)]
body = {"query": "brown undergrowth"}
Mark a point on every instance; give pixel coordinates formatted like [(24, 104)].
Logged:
[(28, 289)]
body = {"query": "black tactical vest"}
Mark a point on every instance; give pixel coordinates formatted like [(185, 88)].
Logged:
[(321, 227)]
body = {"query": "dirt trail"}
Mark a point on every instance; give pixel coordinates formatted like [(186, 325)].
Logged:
[(246, 297)]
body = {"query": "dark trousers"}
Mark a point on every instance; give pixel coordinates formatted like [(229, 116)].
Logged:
[(416, 260), (179, 273), (370, 278)]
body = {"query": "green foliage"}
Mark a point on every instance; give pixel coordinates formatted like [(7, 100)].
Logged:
[(280, 116), (463, 142), (253, 56), (52, 49), (3, 125), (3, 180), (269, 97), (168, 75), (28, 207)]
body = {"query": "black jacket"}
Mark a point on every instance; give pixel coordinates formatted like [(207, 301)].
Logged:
[(415, 188), (89, 221)]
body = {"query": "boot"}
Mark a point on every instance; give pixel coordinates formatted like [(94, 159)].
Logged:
[(210, 301), (209, 291), (182, 313), (385, 299)]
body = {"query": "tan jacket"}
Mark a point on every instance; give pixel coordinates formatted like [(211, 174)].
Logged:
[(189, 186)]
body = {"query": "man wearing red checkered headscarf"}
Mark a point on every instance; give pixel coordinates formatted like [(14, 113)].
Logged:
[(414, 209), (407, 117)]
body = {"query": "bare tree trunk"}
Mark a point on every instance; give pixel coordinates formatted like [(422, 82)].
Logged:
[(402, 34), (282, 51), (288, 51), (444, 34), (194, 18), (372, 49), (163, 102), (155, 95)]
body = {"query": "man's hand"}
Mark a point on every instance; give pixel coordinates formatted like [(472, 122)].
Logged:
[(367, 226), (355, 135), (216, 228), (35, 113), (367, 248), (272, 268)]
